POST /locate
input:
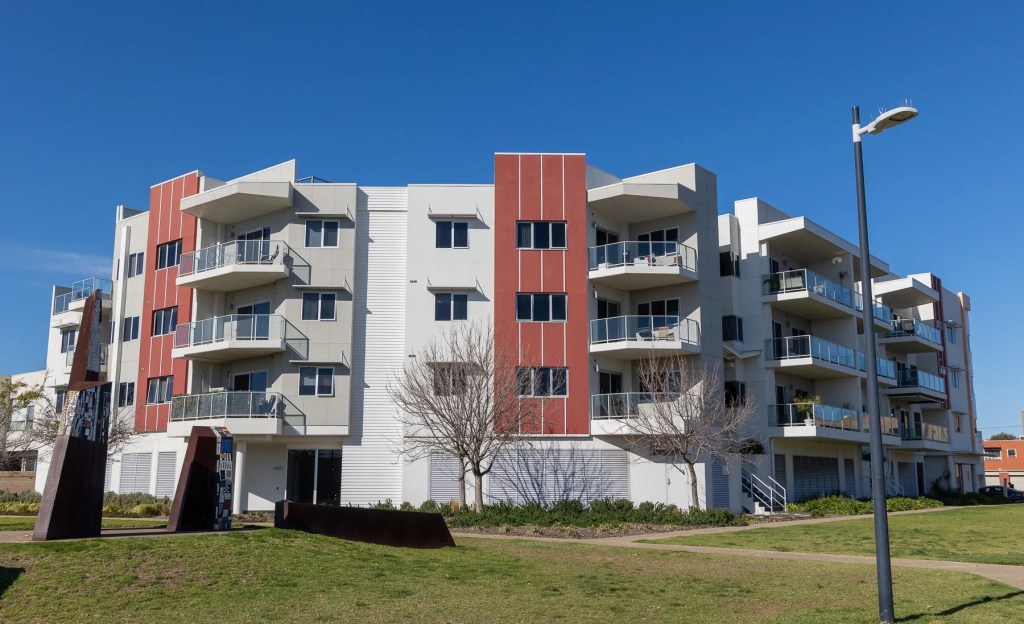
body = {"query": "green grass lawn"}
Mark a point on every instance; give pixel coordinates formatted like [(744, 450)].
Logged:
[(975, 534), (27, 523), (285, 576)]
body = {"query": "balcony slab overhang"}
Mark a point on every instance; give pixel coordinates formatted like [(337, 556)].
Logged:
[(237, 426), (812, 368), (640, 276), (807, 304), (904, 293), (825, 434), (634, 202), (231, 349), (639, 349), (915, 394), (79, 304), (239, 200), (66, 319), (908, 344), (234, 277), (927, 445)]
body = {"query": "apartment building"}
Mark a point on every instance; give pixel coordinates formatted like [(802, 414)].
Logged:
[(20, 452), (282, 307), (1004, 463)]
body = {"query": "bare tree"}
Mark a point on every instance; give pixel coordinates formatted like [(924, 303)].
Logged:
[(683, 413), (461, 395)]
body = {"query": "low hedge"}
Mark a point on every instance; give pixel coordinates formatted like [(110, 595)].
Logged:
[(134, 505), (573, 513), (836, 505)]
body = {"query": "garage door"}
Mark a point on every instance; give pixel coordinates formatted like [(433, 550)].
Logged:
[(908, 478), (814, 476)]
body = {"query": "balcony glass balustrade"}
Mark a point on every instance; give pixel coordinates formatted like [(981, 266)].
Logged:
[(644, 329), (642, 254), (794, 347), (813, 415), (914, 327), (913, 378), (228, 405), (879, 310), (924, 431), (801, 280), (247, 252), (625, 404), (230, 327)]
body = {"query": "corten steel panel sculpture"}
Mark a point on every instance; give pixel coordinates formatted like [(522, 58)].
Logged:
[(72, 504), (202, 500), (409, 529)]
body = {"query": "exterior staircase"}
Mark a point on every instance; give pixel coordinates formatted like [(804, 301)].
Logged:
[(762, 495)]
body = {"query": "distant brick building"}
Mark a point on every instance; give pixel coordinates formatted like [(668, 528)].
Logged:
[(1004, 462)]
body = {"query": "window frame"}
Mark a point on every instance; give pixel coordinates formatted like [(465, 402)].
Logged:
[(551, 298), (130, 324), (737, 390), (156, 386), (531, 379), (736, 324), (136, 264), (650, 306), (126, 394), (455, 229), (728, 264), (453, 297), (65, 344), (163, 313), (550, 227), (164, 253), (317, 372), (1011, 453), (321, 296), (321, 234)]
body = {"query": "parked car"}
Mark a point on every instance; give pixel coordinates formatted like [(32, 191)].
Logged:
[(1016, 496)]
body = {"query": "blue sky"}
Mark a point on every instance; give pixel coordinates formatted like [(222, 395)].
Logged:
[(100, 102)]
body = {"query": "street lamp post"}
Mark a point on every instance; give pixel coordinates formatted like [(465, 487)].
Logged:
[(884, 121)]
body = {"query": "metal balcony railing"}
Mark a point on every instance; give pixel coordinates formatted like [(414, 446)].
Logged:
[(804, 280), (879, 310), (794, 347), (814, 415), (642, 254), (913, 378), (890, 425), (230, 327), (884, 368), (69, 357), (625, 404), (924, 431), (228, 405), (81, 290), (914, 327), (247, 252), (644, 329)]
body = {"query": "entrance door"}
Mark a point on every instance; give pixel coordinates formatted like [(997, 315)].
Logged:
[(250, 382), (608, 330), (252, 322), (314, 476), (254, 246), (781, 416)]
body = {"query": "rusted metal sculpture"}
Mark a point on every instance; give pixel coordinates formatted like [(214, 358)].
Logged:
[(202, 500)]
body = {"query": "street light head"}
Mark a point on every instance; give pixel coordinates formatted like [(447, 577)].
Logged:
[(891, 118)]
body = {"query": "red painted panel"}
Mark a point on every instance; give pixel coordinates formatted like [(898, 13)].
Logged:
[(166, 223), (533, 187)]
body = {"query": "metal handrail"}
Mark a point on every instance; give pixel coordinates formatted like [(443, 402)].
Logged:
[(85, 287), (912, 327), (879, 310), (228, 404), (258, 252), (230, 327), (767, 492), (915, 378), (814, 415), (642, 253), (794, 347), (625, 404), (645, 329), (925, 431)]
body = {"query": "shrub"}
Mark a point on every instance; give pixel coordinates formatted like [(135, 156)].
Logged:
[(430, 506), (387, 504), (146, 510), (20, 497), (836, 505)]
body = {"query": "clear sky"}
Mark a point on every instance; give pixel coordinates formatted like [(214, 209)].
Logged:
[(98, 102)]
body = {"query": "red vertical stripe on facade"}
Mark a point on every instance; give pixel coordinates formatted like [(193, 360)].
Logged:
[(166, 224), (534, 188)]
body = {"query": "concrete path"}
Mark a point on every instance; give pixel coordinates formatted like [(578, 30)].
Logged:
[(1008, 574)]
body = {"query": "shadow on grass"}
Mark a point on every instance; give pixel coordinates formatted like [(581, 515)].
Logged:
[(161, 530), (7, 578), (958, 608)]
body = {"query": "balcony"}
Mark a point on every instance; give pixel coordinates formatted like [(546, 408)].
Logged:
[(912, 336), (74, 299), (635, 201), (814, 420), (259, 413), (69, 357), (811, 357), (917, 386), (807, 294), (890, 429), (235, 265), (635, 337), (239, 200), (925, 436), (236, 337), (881, 312), (885, 369), (636, 265), (608, 410)]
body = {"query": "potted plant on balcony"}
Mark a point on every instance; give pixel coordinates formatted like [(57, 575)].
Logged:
[(805, 407)]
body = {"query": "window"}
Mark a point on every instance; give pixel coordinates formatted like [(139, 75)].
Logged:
[(958, 422), (126, 394), (451, 306), (136, 264), (540, 235), (452, 234), (728, 264), (540, 307), (954, 378), (164, 321), (993, 453), (318, 306), (732, 328), (62, 396), (314, 381), (450, 378), (661, 242), (111, 326), (735, 393), (168, 254), (1011, 452), (951, 334), (130, 328), (67, 340), (664, 307), (322, 233), (543, 381), (160, 389)]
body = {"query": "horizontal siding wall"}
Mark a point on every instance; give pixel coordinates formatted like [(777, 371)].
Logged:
[(371, 468)]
